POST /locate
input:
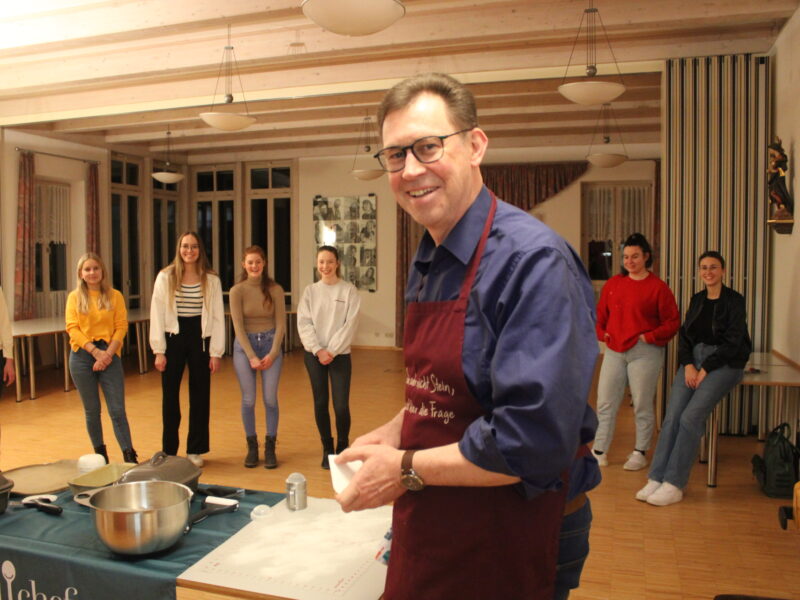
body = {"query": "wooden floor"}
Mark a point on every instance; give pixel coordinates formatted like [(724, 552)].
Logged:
[(722, 540)]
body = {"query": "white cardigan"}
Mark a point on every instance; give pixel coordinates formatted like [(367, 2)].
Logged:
[(164, 315)]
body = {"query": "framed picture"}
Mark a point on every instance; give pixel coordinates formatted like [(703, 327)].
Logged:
[(350, 224)]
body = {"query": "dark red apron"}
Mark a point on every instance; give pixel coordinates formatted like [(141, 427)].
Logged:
[(462, 542)]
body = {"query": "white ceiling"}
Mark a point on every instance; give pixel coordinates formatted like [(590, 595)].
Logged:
[(115, 73)]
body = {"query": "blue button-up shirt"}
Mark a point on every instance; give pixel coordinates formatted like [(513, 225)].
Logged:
[(529, 344)]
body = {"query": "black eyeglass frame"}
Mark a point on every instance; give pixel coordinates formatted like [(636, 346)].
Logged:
[(405, 149)]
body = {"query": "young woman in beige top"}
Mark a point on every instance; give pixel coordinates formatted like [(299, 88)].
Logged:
[(258, 312)]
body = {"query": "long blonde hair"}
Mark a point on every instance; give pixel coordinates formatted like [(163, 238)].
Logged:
[(82, 289), (175, 269)]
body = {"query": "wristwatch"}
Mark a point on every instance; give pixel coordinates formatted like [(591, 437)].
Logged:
[(408, 476)]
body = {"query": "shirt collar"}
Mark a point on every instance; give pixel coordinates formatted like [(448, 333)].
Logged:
[(463, 239)]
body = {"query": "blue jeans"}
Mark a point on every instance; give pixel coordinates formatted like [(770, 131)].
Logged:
[(573, 549), (112, 380), (262, 344), (686, 416), (638, 368)]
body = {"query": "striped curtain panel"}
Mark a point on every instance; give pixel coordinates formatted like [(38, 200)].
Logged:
[(92, 209), (716, 122), (25, 265)]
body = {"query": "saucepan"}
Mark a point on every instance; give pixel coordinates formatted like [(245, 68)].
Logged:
[(143, 517)]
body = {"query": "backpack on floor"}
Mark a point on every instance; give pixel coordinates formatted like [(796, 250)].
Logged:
[(776, 471)]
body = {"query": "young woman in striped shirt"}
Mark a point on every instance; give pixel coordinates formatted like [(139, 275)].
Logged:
[(187, 326)]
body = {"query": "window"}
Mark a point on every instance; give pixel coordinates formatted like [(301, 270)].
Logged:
[(51, 233), (610, 213), (165, 218), (268, 196), (215, 206), (126, 193)]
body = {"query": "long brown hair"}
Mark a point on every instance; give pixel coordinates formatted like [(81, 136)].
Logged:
[(266, 282), (82, 289), (175, 269)]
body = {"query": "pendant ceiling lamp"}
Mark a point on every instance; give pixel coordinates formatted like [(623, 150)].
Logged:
[(353, 17), (605, 157), (165, 175), (591, 90), (367, 142), (225, 120)]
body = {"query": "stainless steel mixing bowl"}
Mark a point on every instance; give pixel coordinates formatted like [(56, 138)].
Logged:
[(142, 516)]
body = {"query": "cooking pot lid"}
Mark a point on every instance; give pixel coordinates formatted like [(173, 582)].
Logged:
[(164, 468)]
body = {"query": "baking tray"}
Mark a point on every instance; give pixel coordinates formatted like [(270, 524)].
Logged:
[(43, 479)]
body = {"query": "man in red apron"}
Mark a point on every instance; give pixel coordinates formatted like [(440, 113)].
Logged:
[(488, 454)]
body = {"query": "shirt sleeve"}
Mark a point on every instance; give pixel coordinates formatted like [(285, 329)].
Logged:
[(279, 304), (237, 316), (669, 317), (158, 307), (305, 323), (6, 334), (216, 346), (341, 340), (540, 358), (120, 317), (77, 337), (602, 312)]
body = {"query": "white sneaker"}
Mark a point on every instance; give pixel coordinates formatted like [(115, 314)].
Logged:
[(636, 460), (665, 495), (644, 493), (602, 459), (196, 459)]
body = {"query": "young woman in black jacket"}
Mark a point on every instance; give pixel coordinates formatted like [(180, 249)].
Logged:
[(714, 346)]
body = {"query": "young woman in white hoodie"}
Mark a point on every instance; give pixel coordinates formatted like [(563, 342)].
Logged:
[(187, 326), (327, 317)]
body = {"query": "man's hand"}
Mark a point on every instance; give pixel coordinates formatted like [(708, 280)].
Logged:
[(377, 482)]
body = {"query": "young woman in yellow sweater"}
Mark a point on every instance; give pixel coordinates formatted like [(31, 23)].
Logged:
[(97, 322)]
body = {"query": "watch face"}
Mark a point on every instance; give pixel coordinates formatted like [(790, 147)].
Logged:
[(412, 481)]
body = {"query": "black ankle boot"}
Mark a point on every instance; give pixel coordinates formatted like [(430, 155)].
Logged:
[(327, 448), (270, 460), (129, 456), (251, 460), (101, 450), (341, 445)]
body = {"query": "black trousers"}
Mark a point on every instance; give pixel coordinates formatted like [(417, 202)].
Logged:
[(186, 347), (339, 373)]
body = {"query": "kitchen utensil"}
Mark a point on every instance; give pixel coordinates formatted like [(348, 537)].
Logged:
[(142, 517), (42, 502), (43, 479), (90, 462), (163, 467), (5, 490), (296, 492), (105, 475)]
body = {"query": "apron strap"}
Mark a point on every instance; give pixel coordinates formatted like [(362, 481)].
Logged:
[(472, 268)]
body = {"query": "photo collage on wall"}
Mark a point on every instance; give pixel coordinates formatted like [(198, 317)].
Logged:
[(350, 224)]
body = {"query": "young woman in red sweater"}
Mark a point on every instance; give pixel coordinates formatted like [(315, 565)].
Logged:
[(636, 317)]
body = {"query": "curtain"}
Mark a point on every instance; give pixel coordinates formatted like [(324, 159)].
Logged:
[(526, 185), (409, 233), (24, 273), (92, 210), (716, 130)]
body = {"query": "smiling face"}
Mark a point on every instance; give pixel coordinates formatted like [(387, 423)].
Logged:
[(327, 264), (634, 259), (436, 194), (92, 273), (711, 272), (189, 249), (254, 265)]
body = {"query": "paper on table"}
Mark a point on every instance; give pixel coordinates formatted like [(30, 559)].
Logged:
[(342, 474)]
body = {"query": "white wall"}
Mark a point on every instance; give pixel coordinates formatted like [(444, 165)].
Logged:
[(785, 276)]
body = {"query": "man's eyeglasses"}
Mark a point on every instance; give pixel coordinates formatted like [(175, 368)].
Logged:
[(426, 150)]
